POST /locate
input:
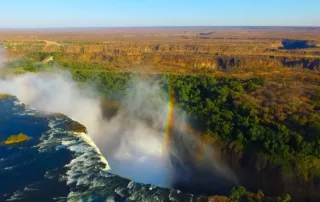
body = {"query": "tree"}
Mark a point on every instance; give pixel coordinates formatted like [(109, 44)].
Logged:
[(238, 193), (285, 198)]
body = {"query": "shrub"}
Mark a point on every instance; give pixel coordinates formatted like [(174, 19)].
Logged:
[(17, 138), (238, 193)]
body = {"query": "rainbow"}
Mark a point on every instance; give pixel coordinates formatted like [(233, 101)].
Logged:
[(169, 121), (203, 148)]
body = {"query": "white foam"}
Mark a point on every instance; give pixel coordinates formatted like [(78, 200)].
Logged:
[(60, 199), (88, 160), (17, 196), (88, 140), (29, 188), (9, 168)]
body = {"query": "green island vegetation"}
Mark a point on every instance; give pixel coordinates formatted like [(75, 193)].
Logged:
[(3, 96), (21, 137), (70, 125), (75, 126)]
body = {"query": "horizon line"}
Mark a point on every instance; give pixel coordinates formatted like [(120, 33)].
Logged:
[(177, 26)]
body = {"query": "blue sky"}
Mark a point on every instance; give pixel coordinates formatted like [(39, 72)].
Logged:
[(137, 13)]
